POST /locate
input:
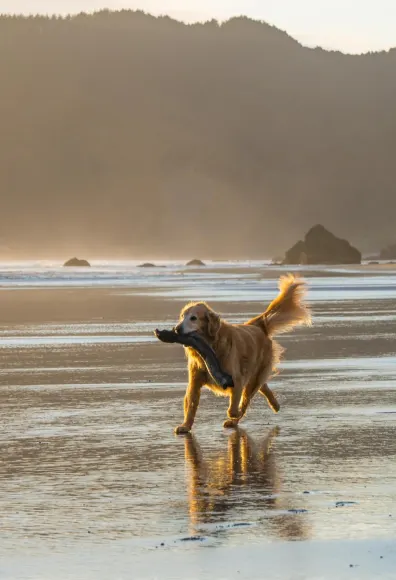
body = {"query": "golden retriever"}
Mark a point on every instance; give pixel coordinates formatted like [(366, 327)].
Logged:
[(246, 351)]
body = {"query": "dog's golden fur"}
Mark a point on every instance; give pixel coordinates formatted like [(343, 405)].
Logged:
[(245, 351)]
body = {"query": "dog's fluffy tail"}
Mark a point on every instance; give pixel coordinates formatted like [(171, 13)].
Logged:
[(288, 309)]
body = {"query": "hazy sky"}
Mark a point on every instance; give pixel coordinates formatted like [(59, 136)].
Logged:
[(347, 25)]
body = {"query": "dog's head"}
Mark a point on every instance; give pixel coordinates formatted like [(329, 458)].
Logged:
[(199, 317)]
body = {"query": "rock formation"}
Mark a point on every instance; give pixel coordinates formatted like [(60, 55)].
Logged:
[(322, 247)]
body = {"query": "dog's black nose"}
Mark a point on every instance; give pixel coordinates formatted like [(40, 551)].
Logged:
[(178, 329)]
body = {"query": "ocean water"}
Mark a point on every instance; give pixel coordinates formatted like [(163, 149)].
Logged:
[(218, 281)]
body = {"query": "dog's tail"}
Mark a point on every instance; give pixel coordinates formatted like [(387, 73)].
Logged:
[(287, 310)]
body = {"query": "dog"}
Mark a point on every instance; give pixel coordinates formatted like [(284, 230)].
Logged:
[(246, 351)]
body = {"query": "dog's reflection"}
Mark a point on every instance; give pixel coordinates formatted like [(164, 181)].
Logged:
[(243, 480)]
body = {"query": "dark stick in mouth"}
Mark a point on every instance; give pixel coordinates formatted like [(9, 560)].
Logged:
[(198, 343)]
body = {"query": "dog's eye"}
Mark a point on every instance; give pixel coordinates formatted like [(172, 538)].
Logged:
[(193, 318)]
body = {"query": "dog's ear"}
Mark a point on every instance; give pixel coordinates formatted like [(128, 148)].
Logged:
[(213, 321)]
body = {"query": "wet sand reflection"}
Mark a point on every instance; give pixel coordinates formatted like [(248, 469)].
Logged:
[(243, 479)]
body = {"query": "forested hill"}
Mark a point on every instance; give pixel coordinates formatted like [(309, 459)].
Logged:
[(121, 132)]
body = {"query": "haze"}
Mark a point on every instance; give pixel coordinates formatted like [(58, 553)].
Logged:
[(346, 25), (128, 135)]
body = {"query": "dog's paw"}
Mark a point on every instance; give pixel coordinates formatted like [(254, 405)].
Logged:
[(230, 424), (182, 429), (275, 406)]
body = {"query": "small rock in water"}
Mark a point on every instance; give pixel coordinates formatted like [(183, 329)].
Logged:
[(345, 503), (192, 539), (73, 262), (297, 511)]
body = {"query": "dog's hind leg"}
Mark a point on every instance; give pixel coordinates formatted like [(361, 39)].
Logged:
[(234, 411), (271, 399), (248, 393), (243, 407)]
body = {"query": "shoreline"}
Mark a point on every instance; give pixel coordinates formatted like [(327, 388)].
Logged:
[(189, 560)]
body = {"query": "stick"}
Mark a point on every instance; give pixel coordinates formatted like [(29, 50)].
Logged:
[(199, 344)]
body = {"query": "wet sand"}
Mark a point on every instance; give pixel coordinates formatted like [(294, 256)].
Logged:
[(94, 484)]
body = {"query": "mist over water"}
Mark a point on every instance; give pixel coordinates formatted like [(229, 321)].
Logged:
[(128, 135)]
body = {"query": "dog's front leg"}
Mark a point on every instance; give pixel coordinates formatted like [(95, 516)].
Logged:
[(197, 378)]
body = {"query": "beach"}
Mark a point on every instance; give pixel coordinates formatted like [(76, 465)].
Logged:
[(94, 483)]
